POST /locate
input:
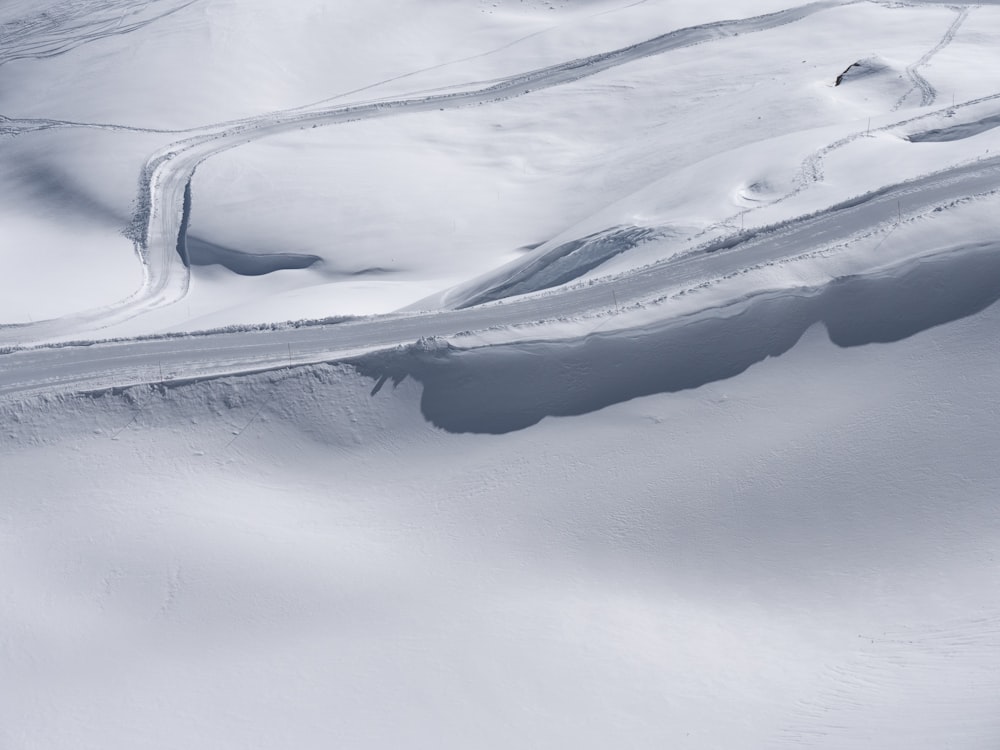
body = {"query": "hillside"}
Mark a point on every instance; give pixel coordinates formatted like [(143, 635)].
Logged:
[(499, 373)]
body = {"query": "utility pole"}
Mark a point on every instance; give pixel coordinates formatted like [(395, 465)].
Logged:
[(615, 298)]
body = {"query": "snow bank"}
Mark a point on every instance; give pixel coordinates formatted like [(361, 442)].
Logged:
[(283, 558)]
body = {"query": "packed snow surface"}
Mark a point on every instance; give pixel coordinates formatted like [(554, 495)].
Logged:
[(499, 373)]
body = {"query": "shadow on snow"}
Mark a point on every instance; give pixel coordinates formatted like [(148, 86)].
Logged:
[(501, 389)]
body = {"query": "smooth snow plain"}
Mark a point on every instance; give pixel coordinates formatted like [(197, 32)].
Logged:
[(507, 373)]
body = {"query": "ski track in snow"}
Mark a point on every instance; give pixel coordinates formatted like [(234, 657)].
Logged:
[(30, 371), (13, 126), (169, 171), (165, 201), (73, 23), (927, 92), (916, 668), (810, 173), (811, 170)]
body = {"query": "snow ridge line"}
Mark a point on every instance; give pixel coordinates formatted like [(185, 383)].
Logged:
[(157, 218)]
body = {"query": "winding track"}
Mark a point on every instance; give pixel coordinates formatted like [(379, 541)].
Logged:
[(168, 172), (76, 368), (160, 231), (927, 92)]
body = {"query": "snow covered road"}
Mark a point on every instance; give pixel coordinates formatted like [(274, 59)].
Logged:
[(75, 368), (638, 389), (168, 173)]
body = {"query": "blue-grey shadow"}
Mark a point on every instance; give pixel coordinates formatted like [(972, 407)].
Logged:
[(202, 253), (501, 389)]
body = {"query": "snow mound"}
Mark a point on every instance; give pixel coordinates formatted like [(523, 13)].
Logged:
[(873, 84), (862, 69)]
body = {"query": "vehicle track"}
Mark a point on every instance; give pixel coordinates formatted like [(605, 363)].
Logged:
[(169, 171), (920, 84), (811, 171), (73, 23), (77, 368)]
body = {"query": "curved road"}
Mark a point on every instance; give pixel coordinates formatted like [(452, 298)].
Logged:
[(76, 368), (168, 172)]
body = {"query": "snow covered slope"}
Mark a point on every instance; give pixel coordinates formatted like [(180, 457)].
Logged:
[(283, 560), (544, 137), (499, 373)]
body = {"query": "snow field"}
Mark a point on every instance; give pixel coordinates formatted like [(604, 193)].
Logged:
[(807, 552), (400, 186), (669, 420)]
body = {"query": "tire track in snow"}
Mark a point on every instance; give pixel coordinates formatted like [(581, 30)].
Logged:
[(927, 92), (811, 170), (13, 126), (818, 234), (130, 362), (810, 173), (71, 24), (157, 220)]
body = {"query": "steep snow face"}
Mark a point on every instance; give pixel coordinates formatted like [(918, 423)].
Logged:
[(285, 558)]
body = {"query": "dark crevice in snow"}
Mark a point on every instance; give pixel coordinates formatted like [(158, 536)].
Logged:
[(861, 69), (185, 220), (840, 78), (501, 389), (203, 253)]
